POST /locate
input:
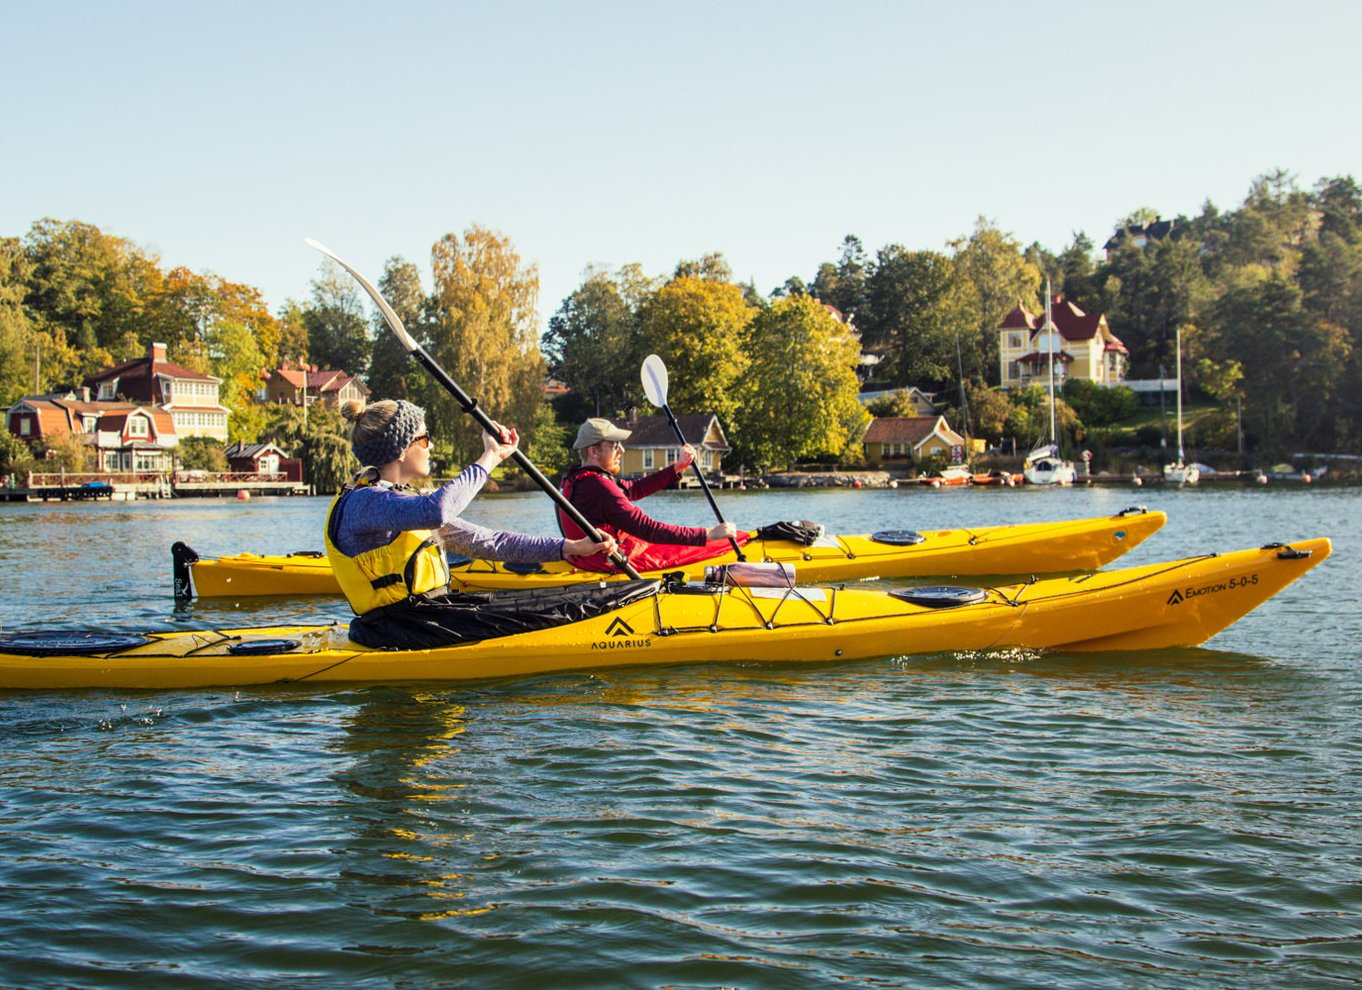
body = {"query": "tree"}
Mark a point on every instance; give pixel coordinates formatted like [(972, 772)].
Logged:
[(991, 277), (594, 342), (1293, 362), (484, 332), (714, 267), (845, 285), (337, 331), (201, 454), (91, 289), (392, 372), (896, 403), (799, 396), (699, 327), (292, 333), (17, 339), (319, 440), (1098, 405), (66, 452), (550, 446), (990, 410), (15, 455), (909, 320)]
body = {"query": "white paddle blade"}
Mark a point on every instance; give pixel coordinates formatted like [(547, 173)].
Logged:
[(391, 318), (655, 380)]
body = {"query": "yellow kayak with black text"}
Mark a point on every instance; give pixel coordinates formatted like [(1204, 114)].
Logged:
[(1030, 548), (1177, 603)]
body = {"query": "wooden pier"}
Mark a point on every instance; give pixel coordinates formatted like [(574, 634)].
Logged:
[(61, 486)]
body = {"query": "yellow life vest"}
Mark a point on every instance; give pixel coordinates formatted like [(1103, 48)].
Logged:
[(412, 564)]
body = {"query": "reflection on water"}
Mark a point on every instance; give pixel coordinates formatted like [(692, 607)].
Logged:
[(1168, 818)]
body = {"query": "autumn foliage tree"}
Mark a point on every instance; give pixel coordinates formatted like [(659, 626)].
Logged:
[(700, 328), (484, 331), (799, 397)]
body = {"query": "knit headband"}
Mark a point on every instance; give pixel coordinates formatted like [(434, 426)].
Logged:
[(408, 423)]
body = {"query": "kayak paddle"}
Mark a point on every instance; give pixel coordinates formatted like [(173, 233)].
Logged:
[(654, 374), (471, 406)]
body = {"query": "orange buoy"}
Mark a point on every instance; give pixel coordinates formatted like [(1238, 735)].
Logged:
[(243, 495)]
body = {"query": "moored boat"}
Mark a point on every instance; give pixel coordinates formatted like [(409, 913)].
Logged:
[(1178, 603), (951, 477), (997, 478), (1029, 548)]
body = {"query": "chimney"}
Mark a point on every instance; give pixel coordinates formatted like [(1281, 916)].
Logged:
[(157, 353)]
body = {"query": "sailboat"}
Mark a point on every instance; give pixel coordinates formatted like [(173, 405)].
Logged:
[(1044, 465), (1181, 473)]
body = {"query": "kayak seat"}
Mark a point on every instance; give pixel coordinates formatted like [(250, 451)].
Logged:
[(423, 623)]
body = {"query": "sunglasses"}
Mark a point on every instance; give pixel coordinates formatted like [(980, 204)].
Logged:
[(423, 440), (610, 444)]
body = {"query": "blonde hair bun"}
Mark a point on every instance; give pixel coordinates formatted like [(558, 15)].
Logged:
[(352, 410)]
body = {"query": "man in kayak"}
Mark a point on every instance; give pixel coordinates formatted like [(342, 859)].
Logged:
[(386, 541), (594, 488)]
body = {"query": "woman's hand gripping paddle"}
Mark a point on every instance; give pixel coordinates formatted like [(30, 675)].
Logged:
[(471, 407)]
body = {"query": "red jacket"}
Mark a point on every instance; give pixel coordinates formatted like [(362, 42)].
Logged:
[(608, 504)]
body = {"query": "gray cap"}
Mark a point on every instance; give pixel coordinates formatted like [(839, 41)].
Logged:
[(596, 430)]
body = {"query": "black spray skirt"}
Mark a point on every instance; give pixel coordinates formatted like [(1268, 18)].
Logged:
[(424, 622)]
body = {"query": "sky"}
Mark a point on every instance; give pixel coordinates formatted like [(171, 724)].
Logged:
[(218, 136)]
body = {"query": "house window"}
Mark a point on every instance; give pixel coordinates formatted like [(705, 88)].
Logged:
[(1014, 339), (648, 459), (25, 427), (106, 389), (1012, 372), (137, 426)]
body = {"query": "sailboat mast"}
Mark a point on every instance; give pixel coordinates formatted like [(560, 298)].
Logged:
[(1181, 459), (1050, 345)]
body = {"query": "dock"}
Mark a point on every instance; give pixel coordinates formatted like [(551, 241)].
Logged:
[(61, 486)]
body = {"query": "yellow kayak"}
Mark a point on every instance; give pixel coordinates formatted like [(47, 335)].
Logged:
[(1179, 603), (1031, 548)]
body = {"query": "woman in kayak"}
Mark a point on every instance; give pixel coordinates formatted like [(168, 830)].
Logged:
[(594, 489), (386, 541)]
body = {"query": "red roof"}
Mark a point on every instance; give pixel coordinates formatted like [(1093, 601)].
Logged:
[(146, 365), (318, 381), (1020, 319), (1071, 322), (905, 429)]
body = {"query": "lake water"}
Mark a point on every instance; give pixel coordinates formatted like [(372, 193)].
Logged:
[(1177, 818)]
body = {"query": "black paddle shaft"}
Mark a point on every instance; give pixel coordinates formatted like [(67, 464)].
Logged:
[(703, 483), (471, 407)]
